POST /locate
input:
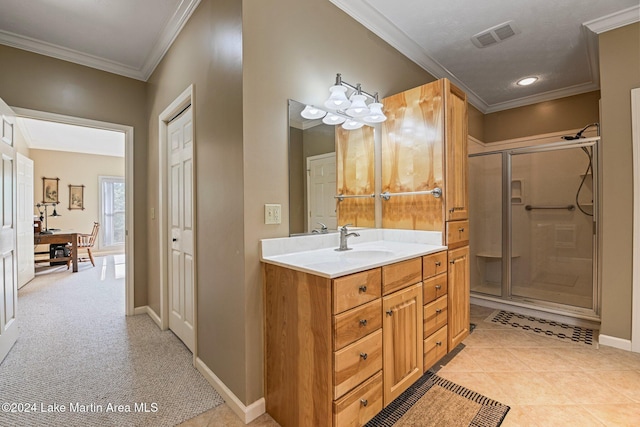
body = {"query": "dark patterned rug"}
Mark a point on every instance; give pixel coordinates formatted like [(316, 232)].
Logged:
[(544, 327), (434, 401)]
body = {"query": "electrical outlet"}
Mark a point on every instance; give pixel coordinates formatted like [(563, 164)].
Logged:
[(272, 214)]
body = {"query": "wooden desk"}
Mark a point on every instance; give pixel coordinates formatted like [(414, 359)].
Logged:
[(59, 237)]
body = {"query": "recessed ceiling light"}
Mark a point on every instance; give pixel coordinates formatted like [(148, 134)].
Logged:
[(527, 81)]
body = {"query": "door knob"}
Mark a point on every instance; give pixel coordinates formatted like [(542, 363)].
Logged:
[(174, 239)]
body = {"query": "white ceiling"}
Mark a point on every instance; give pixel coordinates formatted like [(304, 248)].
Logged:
[(129, 37), (554, 45), (45, 135)]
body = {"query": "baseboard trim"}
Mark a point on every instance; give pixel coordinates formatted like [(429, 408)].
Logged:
[(245, 413), (615, 342), (140, 310)]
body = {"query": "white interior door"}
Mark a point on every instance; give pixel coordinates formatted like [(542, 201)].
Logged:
[(321, 189), (26, 270), (181, 256), (8, 262)]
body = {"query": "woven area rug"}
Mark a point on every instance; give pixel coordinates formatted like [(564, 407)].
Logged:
[(435, 402), (549, 328), (79, 361)]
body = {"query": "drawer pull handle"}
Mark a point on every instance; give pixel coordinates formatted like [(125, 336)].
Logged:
[(438, 343), (362, 288), (438, 287), (438, 310), (438, 263), (389, 312), (363, 322), (364, 356), (461, 229), (364, 402)]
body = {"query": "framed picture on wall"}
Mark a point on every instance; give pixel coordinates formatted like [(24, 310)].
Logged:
[(76, 197), (50, 190)]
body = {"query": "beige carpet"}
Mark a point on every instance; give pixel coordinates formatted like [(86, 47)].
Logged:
[(435, 402), (78, 351)]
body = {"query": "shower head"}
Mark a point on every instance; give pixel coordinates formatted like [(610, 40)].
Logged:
[(579, 134)]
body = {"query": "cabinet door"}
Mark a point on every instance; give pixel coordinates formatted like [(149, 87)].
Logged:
[(402, 342), (456, 195), (458, 296)]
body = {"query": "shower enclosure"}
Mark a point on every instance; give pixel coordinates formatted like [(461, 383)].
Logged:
[(534, 227)]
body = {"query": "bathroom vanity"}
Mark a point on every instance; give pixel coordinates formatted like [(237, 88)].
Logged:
[(347, 332)]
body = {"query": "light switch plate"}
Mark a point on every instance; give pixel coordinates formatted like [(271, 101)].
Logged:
[(272, 213)]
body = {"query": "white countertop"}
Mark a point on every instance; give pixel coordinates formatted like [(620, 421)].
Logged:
[(374, 248)]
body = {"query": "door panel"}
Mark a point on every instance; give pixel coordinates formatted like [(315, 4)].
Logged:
[(8, 234), (321, 191), (26, 270), (181, 220)]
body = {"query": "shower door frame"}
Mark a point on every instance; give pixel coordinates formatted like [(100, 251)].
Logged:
[(507, 232)]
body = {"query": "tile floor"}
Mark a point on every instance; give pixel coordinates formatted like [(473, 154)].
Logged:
[(545, 381)]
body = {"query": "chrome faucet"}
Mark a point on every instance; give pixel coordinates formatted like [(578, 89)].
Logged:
[(344, 235), (323, 229)]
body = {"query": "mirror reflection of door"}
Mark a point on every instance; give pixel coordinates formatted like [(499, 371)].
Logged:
[(321, 188)]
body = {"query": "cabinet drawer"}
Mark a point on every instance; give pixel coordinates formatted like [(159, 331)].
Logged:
[(457, 233), (355, 289), (435, 348), (434, 264), (359, 406), (434, 288), (434, 316), (356, 362), (354, 324), (401, 274)]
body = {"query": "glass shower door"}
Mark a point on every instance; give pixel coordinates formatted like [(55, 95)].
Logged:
[(552, 228), (485, 205)]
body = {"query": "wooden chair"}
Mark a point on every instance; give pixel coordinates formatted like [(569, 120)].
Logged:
[(86, 241)]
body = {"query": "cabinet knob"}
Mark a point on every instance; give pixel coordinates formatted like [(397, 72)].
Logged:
[(438, 287), (438, 310), (461, 229), (363, 322), (438, 263), (364, 402), (438, 343), (362, 288), (389, 312), (364, 356)]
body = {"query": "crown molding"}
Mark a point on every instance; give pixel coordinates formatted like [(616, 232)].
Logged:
[(59, 52), (160, 48), (614, 20), (373, 20), (168, 36)]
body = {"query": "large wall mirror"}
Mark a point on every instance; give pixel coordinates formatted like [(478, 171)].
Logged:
[(326, 161)]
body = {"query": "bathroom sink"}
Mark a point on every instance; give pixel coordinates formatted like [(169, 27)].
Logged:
[(367, 254)]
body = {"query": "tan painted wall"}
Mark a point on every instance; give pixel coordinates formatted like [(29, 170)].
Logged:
[(293, 49), (476, 122), (619, 73), (46, 84), (572, 112), (208, 54), (74, 169)]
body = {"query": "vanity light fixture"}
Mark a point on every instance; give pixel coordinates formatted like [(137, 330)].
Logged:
[(311, 112), (351, 124), (354, 104), (527, 81), (333, 119)]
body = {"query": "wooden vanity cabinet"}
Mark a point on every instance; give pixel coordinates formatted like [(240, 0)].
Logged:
[(458, 296), (456, 194), (436, 308)]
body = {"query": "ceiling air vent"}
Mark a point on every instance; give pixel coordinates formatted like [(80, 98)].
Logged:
[(495, 34)]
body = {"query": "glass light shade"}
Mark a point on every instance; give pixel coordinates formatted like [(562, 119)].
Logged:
[(358, 106), (352, 124), (332, 119), (310, 112), (375, 113), (338, 98)]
